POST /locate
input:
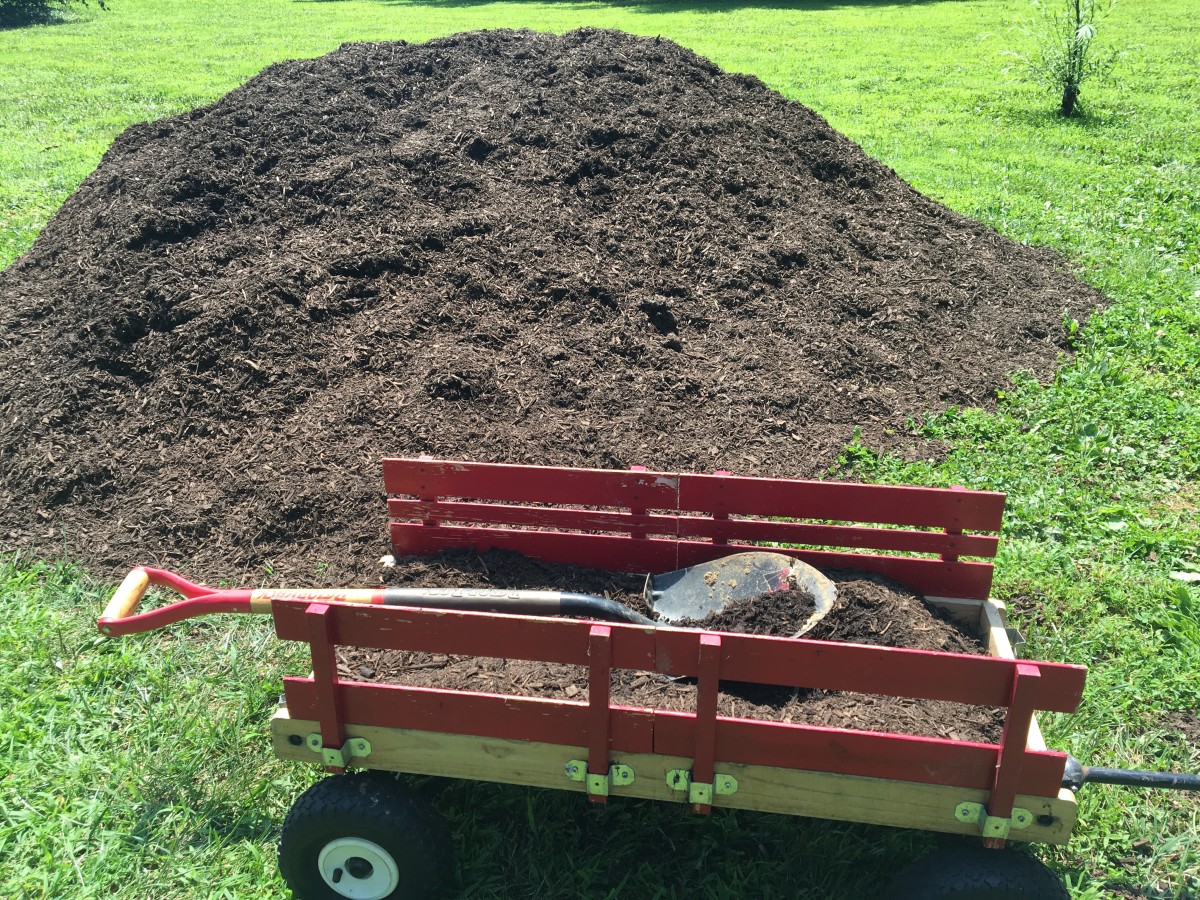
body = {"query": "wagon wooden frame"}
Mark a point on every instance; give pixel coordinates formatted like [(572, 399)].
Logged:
[(937, 541)]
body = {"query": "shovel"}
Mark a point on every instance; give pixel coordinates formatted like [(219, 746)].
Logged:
[(686, 594), (697, 591)]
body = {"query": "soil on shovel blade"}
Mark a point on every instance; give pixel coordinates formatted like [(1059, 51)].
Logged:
[(869, 610), (591, 249)]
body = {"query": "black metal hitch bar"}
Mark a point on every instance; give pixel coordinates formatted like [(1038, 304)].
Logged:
[(1077, 775)]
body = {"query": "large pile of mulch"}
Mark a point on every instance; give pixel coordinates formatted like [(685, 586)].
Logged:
[(591, 249)]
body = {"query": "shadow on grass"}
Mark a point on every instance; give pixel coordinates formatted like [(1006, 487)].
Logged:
[(1050, 116), (1026, 107), (15, 14), (11, 20), (209, 823), (181, 800), (514, 842)]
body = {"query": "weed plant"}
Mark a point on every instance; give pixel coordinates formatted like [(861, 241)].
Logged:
[(1063, 57)]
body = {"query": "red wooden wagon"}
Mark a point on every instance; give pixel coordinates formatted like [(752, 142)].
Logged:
[(360, 836)]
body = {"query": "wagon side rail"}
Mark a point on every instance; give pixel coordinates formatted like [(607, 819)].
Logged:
[(705, 739), (935, 540)]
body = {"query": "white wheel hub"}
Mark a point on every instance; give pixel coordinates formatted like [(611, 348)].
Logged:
[(358, 869)]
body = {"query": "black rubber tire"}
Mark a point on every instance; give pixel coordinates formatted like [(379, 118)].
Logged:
[(976, 873), (368, 806)]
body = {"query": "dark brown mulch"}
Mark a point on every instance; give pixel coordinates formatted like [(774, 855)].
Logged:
[(591, 249), (778, 612), (870, 610)]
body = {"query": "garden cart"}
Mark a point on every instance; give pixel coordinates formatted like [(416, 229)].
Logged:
[(363, 835)]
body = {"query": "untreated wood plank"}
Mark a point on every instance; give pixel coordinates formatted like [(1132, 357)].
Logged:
[(994, 627), (967, 613), (796, 792)]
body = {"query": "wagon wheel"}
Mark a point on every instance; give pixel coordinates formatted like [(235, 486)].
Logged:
[(974, 873), (364, 836)]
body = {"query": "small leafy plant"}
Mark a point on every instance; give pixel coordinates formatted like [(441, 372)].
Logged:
[(1064, 57)]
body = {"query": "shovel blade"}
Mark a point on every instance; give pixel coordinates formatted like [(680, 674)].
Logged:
[(696, 591)]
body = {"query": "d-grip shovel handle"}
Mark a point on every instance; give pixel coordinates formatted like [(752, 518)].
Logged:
[(127, 596), (118, 617)]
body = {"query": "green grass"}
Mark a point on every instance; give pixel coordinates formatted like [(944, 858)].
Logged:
[(133, 766), (141, 768)]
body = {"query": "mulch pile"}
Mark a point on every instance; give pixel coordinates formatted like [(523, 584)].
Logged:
[(869, 610), (591, 249)]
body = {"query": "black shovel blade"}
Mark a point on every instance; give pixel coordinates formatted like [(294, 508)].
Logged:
[(696, 591)]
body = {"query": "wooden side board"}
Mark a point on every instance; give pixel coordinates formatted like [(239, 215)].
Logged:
[(722, 493), (643, 521), (763, 785), (769, 789)]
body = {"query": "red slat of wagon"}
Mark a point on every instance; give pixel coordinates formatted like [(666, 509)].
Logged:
[(642, 521)]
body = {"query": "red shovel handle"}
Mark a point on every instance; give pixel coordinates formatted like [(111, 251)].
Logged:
[(118, 617)]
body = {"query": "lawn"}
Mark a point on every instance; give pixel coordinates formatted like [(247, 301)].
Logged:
[(141, 768)]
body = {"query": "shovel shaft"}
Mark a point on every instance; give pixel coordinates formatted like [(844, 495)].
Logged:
[(119, 616), (534, 603), (1171, 781)]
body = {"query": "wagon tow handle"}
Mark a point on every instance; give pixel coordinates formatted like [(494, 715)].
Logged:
[(1077, 775), (119, 616)]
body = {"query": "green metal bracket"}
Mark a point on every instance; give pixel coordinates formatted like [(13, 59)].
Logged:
[(359, 747), (698, 791), (992, 826), (599, 785), (724, 785)]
